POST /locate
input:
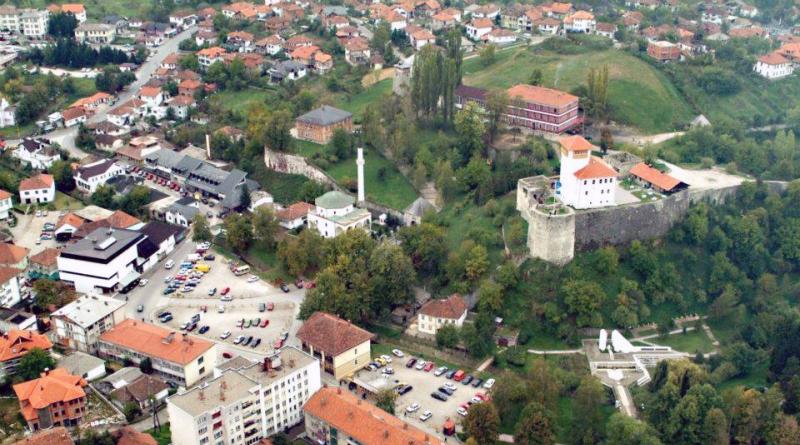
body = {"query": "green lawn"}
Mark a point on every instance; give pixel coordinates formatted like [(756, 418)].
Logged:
[(358, 102), (392, 189), (757, 378), (241, 101), (66, 202), (162, 436), (639, 95), (691, 342), (757, 97)]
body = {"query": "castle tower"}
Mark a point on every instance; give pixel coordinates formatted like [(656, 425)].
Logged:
[(360, 164)]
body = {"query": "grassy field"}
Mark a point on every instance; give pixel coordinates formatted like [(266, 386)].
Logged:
[(691, 342), (757, 378), (757, 97), (66, 202), (392, 190), (241, 101), (162, 436), (358, 102), (634, 86)]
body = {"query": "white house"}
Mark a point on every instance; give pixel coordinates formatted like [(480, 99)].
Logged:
[(80, 323), (9, 286), (477, 28), (585, 181), (74, 116), (580, 21), (182, 212), (34, 23), (161, 235), (421, 37), (440, 312), (36, 152), (500, 36), (95, 33), (548, 26), (37, 189), (90, 176), (295, 215), (6, 204), (773, 66), (336, 213), (7, 114)]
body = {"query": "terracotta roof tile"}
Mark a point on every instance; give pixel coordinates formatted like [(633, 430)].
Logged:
[(40, 181), (331, 334), (576, 143), (294, 211), (16, 343), (452, 307), (52, 387), (773, 58), (55, 436), (122, 220), (4, 195), (128, 436), (362, 421), (149, 340), (482, 23), (596, 168), (655, 177), (11, 253), (46, 257), (541, 95), (70, 219)]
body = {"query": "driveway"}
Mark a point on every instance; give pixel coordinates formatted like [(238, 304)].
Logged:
[(29, 229)]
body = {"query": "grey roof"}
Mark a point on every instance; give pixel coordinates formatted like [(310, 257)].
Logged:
[(334, 200), (208, 397), (88, 309), (164, 158), (291, 359), (95, 168), (158, 231), (187, 212), (334, 10), (80, 363), (419, 207), (102, 245), (325, 115), (123, 377), (188, 164)]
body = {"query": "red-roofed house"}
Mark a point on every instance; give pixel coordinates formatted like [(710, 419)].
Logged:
[(6, 204), (341, 347), (650, 177), (56, 398), (15, 344), (773, 66), (478, 28), (580, 21), (421, 37), (207, 56), (500, 36), (295, 215), (586, 181), (440, 312), (53, 436), (37, 189)]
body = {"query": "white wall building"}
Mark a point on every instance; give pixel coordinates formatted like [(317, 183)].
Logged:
[(245, 401), (37, 189), (95, 33), (585, 181), (477, 28), (80, 323), (580, 21), (336, 213), (773, 66), (9, 286), (7, 114), (102, 262), (90, 176), (36, 152), (33, 23), (6, 204), (437, 313)]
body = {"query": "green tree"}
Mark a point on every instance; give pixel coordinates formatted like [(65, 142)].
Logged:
[(265, 226), (543, 386), (482, 423), (135, 201), (597, 91), (146, 366), (131, 411), (535, 426), (384, 399), (470, 130), (62, 175), (584, 298), (490, 296), (49, 292), (32, 364), (447, 336), (497, 101), (391, 277), (426, 245), (589, 397), (536, 78), (200, 230), (103, 197), (715, 428), (239, 233), (341, 144), (476, 177), (623, 430), (488, 55)]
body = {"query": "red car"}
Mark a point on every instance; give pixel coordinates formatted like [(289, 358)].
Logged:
[(270, 306), (225, 291), (278, 344), (311, 285), (428, 367), (227, 355), (265, 323)]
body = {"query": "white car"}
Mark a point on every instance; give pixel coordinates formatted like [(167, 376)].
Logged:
[(489, 383), (38, 213), (475, 400), (398, 352), (420, 364), (238, 340), (412, 408), (143, 282), (252, 279), (387, 358), (225, 335), (226, 298), (451, 386), (221, 309), (461, 411), (440, 370), (168, 279), (425, 416), (169, 264)]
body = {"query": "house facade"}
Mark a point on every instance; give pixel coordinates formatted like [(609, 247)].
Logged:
[(80, 323), (440, 312), (38, 189), (335, 213), (585, 181), (340, 346)]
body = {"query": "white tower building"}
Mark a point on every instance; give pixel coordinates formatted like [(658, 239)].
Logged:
[(360, 164), (586, 181)]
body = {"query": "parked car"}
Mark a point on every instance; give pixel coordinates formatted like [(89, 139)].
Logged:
[(270, 306), (397, 353), (278, 344), (209, 257), (225, 335), (240, 323), (252, 279), (143, 282), (166, 318), (226, 298), (451, 385), (440, 370), (388, 370), (227, 355), (411, 362), (414, 407), (459, 375), (169, 264), (265, 323), (462, 411), (425, 416), (203, 330), (140, 308), (489, 383), (262, 307), (247, 342), (298, 283), (420, 364), (212, 291), (256, 342), (387, 358), (439, 396), (467, 379), (225, 291), (428, 367), (284, 288), (450, 374), (239, 340), (477, 383), (446, 390), (403, 389)]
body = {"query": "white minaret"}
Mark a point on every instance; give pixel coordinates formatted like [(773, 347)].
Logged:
[(360, 164)]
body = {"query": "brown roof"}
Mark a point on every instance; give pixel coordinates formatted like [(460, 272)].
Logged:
[(363, 421), (4, 194), (331, 334), (655, 177), (482, 23), (46, 257), (773, 58), (148, 91), (54, 436), (128, 436), (150, 340), (576, 143), (541, 95), (7, 273), (11, 253), (52, 387), (139, 390), (40, 181), (16, 343), (596, 168), (71, 219), (294, 211), (122, 220), (452, 307)]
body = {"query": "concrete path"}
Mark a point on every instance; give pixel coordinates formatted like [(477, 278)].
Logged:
[(555, 351), (624, 397), (485, 364)]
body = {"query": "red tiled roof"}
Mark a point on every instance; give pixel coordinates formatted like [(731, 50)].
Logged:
[(54, 436), (128, 436), (52, 387), (11, 253), (773, 58), (122, 220), (294, 211), (212, 52), (71, 219), (655, 177), (596, 168), (331, 334), (363, 421), (46, 257), (38, 182), (576, 143), (482, 23), (149, 340), (452, 307), (16, 343), (541, 95), (73, 113), (75, 8), (4, 195), (149, 91), (7, 273)]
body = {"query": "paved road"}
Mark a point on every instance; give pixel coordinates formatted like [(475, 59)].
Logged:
[(66, 136)]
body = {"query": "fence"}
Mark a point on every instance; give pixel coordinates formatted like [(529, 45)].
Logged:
[(429, 348)]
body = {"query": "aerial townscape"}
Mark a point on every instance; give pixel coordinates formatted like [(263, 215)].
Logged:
[(399, 222)]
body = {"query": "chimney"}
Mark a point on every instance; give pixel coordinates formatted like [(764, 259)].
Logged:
[(360, 164), (405, 426), (338, 390), (46, 371), (267, 364), (208, 146)]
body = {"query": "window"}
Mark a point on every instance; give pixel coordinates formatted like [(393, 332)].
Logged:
[(200, 362)]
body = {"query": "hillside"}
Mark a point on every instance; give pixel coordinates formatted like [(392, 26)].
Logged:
[(634, 86)]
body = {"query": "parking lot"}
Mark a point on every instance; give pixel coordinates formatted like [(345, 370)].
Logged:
[(423, 383), (246, 298), (28, 231)]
